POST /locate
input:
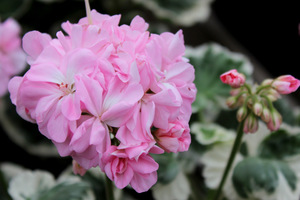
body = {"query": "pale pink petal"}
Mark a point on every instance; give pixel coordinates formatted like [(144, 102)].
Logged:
[(143, 182), (144, 165), (45, 73), (90, 93), (70, 107), (58, 127), (40, 41)]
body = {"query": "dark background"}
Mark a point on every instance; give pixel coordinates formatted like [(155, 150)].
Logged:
[(268, 31)]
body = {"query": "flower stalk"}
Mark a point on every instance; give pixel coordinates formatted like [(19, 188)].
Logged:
[(109, 193), (234, 150), (88, 11)]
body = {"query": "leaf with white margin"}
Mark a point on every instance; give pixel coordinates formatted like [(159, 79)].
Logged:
[(256, 178), (214, 161), (210, 61), (180, 12), (178, 189), (207, 134), (9, 170), (27, 184)]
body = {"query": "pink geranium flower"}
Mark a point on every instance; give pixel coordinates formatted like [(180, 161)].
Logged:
[(233, 78), (139, 173), (12, 57)]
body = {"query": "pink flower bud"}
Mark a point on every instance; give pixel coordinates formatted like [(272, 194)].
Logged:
[(231, 102), (233, 78), (273, 94), (275, 121), (77, 169), (257, 108), (251, 124), (286, 84), (266, 115), (241, 113)]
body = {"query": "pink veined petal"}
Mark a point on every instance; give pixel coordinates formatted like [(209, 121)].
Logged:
[(90, 93), (144, 165), (138, 23), (87, 159), (123, 179), (180, 73), (58, 126), (45, 73), (79, 61), (70, 107), (13, 88), (176, 47), (76, 35), (50, 55), (143, 182), (100, 136), (81, 138), (44, 105), (147, 117), (118, 114), (40, 41), (122, 92)]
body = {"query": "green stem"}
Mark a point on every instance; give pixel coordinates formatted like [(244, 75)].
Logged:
[(234, 150), (109, 189)]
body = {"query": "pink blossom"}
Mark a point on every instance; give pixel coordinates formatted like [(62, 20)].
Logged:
[(233, 78), (139, 173), (12, 57), (176, 138), (286, 84)]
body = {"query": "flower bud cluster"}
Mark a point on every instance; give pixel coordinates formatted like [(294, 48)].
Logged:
[(257, 101)]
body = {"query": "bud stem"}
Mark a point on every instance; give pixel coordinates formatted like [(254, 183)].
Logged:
[(109, 193), (234, 150), (88, 11)]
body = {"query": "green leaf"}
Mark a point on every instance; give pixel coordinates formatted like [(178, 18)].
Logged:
[(65, 190), (256, 174), (210, 61), (207, 134), (280, 144)]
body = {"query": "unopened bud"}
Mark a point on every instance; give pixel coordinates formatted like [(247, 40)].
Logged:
[(77, 169), (266, 115), (286, 84), (267, 82), (275, 121), (273, 95), (233, 78), (231, 101), (241, 113), (251, 124), (235, 91), (257, 108)]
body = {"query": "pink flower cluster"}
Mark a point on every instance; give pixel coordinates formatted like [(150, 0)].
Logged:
[(109, 95), (12, 57)]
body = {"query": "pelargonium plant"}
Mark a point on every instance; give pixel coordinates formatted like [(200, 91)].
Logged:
[(12, 57), (108, 95)]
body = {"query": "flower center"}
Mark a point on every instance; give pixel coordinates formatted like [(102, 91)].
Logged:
[(66, 88)]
